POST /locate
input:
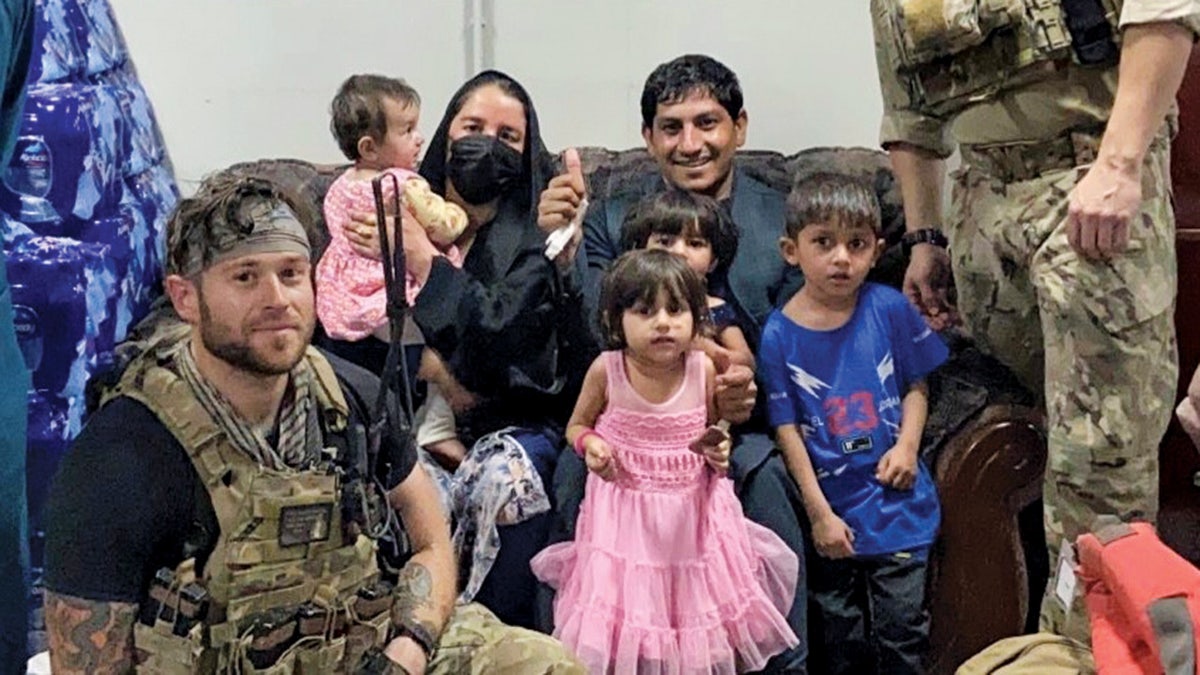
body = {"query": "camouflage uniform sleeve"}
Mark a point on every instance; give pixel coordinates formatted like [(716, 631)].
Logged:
[(475, 642), (901, 122), (1186, 12)]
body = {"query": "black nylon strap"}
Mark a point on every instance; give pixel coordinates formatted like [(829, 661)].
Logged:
[(394, 408)]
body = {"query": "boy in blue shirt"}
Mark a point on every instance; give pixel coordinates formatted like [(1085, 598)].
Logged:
[(843, 364)]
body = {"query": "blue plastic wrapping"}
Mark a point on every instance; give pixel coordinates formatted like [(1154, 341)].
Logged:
[(57, 55)]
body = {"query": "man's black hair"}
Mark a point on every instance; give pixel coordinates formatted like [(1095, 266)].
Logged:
[(675, 80)]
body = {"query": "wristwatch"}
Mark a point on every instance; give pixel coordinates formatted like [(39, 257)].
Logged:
[(926, 235), (418, 634)]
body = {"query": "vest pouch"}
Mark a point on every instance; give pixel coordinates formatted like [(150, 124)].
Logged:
[(363, 635), (989, 46), (258, 589), (292, 583), (1092, 27), (321, 657), (289, 516), (286, 665), (928, 30), (161, 652)]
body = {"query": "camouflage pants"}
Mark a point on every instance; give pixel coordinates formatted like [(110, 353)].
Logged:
[(1095, 338), (476, 642)]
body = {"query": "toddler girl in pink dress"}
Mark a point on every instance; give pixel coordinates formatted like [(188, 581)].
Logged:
[(666, 574)]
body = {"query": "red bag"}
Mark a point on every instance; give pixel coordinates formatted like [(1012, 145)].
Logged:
[(1143, 600)]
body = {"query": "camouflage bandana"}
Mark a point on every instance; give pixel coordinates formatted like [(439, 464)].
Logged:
[(264, 226), (299, 435)]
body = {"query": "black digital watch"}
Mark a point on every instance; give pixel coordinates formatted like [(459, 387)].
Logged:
[(926, 235)]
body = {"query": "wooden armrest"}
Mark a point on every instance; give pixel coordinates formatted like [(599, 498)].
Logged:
[(978, 585)]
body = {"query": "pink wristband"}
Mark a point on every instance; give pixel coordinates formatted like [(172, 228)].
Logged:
[(579, 447)]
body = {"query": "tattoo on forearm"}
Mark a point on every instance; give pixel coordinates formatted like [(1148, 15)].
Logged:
[(414, 600), (88, 636)]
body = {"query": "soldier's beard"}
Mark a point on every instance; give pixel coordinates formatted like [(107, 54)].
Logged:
[(278, 357)]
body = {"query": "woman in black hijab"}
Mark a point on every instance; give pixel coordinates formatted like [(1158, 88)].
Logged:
[(497, 313), (508, 326)]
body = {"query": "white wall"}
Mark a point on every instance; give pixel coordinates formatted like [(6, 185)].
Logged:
[(233, 80), (807, 67)]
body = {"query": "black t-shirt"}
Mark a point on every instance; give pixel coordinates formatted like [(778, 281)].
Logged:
[(126, 497)]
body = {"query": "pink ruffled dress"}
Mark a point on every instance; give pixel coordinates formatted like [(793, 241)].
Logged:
[(666, 575), (351, 297)]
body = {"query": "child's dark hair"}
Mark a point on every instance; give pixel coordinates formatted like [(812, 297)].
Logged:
[(833, 199), (679, 212), (357, 109), (636, 278)]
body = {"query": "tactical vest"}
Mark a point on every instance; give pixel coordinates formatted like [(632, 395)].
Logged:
[(287, 589), (949, 54)]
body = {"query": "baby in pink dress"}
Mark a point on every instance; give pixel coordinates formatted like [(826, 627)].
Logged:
[(666, 574), (374, 120)]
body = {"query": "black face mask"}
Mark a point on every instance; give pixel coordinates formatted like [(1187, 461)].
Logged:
[(482, 168)]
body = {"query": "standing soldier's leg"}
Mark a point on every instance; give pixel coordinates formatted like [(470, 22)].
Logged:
[(996, 299), (1111, 375)]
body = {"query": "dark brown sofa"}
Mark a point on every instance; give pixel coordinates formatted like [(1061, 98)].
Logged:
[(984, 441)]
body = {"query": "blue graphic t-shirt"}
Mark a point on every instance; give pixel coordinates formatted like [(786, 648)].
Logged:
[(843, 390)]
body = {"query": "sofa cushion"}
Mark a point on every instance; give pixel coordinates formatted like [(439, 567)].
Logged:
[(608, 172)]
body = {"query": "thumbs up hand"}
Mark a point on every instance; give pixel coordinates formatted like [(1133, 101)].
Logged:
[(561, 209), (561, 199)]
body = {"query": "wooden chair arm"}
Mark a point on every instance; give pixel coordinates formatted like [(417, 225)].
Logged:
[(978, 586)]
